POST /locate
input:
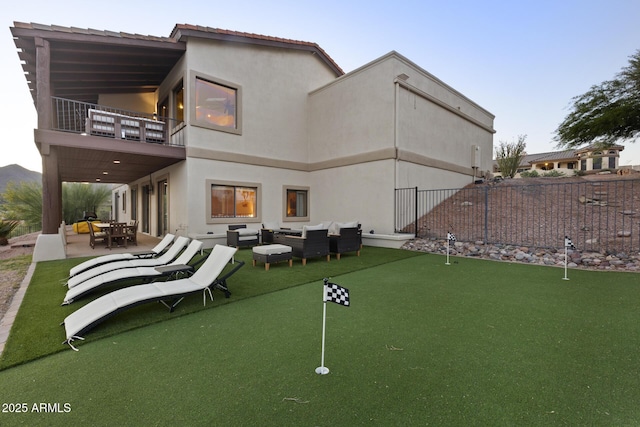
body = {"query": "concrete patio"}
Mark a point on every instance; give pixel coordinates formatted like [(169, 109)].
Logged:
[(78, 245)]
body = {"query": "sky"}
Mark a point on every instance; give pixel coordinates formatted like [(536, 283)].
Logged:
[(523, 61)]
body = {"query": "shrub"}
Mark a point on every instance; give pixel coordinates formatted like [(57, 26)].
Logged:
[(529, 174), (553, 173), (6, 227)]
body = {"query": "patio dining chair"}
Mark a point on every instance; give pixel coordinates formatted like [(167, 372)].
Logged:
[(117, 232), (132, 232), (95, 236)]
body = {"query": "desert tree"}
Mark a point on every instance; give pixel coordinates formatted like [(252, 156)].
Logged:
[(606, 113), (509, 155), (23, 201)]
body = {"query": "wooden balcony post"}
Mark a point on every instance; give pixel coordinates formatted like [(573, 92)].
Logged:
[(51, 190), (43, 83)]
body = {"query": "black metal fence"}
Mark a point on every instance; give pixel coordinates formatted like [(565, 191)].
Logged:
[(23, 229), (602, 216)]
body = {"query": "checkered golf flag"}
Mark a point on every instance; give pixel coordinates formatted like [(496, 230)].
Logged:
[(451, 237), (337, 294), (568, 243)]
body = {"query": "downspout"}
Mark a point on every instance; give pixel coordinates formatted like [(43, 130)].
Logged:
[(395, 132), (400, 78)]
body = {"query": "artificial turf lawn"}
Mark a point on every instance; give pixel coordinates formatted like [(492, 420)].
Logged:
[(37, 331), (474, 343)]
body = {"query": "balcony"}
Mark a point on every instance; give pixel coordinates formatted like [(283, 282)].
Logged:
[(97, 120), (87, 142)]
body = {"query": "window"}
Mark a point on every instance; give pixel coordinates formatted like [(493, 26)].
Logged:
[(134, 203), (597, 163), (296, 203), (178, 96), (216, 105), (163, 108), (227, 201), (612, 162)]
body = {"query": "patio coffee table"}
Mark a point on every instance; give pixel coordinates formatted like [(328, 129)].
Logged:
[(271, 253)]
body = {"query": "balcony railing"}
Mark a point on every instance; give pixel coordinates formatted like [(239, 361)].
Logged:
[(98, 120)]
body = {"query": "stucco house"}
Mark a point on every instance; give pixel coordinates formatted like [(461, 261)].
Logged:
[(208, 127), (589, 159)]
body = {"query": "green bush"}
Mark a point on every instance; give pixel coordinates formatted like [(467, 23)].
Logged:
[(6, 227), (553, 173), (529, 174)]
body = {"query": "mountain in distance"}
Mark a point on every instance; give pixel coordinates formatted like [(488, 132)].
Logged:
[(17, 173)]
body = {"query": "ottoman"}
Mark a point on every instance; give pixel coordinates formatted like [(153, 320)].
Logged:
[(271, 253)]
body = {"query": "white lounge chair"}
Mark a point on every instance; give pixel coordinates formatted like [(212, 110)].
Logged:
[(165, 258), (139, 273), (159, 248), (206, 277)]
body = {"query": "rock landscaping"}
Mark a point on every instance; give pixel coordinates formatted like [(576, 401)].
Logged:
[(618, 261)]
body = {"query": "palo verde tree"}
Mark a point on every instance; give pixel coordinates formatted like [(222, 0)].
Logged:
[(607, 113), (23, 201), (77, 198), (509, 155)]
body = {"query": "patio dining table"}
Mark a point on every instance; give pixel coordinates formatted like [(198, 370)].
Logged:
[(107, 227)]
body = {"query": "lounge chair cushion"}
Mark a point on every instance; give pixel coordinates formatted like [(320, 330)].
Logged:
[(128, 273), (97, 310), (166, 258), (246, 234), (161, 246)]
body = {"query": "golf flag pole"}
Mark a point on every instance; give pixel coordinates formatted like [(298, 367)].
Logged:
[(568, 244), (450, 238), (332, 293), (323, 370), (447, 263)]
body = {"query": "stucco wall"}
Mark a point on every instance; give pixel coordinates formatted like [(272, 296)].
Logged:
[(362, 192), (274, 83), (325, 130), (271, 197), (391, 103)]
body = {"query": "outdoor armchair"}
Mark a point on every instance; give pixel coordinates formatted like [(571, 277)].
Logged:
[(239, 236), (311, 244), (346, 240)]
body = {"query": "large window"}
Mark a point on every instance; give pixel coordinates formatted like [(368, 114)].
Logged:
[(232, 200), (178, 96), (296, 203), (217, 104), (597, 163)]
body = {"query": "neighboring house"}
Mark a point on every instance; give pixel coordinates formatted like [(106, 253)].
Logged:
[(209, 127), (590, 159)]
